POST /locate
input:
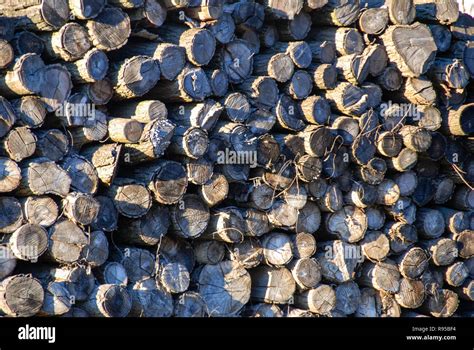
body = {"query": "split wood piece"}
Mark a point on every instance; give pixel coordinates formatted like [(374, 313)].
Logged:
[(134, 76), (405, 160), (166, 180), (349, 224), (190, 85), (223, 28), (38, 15), (12, 216), (83, 174), (39, 210), (27, 42), (443, 304), (402, 42), (21, 296), (442, 37), (57, 76), (225, 288), (376, 304), (402, 236), (86, 9), (147, 230), (69, 43), (347, 40), (300, 85), (105, 159), (348, 99), (411, 293), (96, 252), (52, 144), (112, 273), (354, 68), (300, 52), (215, 190), (294, 29), (390, 79), (444, 12), (248, 253), (108, 300), (24, 78), (452, 73), (209, 252), (80, 208), (99, 92), (155, 139), (306, 273), (418, 91), (41, 176), (457, 121), (91, 67), (190, 217), (138, 263), (150, 299), (18, 144), (263, 91), (189, 304), (401, 11), (7, 53), (29, 242), (66, 242), (107, 217), (382, 276), (30, 111), (278, 66), (320, 300), (373, 21), (131, 199), (110, 30), (413, 262), (143, 111), (219, 81), (375, 245), (272, 285), (337, 13), (338, 261)]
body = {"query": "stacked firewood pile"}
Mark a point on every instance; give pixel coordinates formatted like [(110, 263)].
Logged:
[(223, 158)]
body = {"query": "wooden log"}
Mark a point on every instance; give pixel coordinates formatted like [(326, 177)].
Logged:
[(174, 277), (376, 304), (262, 90), (52, 144), (21, 296), (373, 172), (12, 215), (320, 300), (148, 299), (27, 42), (411, 293), (442, 36), (375, 218), (405, 160), (105, 160), (272, 285), (79, 280), (382, 276), (248, 253), (189, 304), (322, 51), (455, 274), (83, 174), (422, 42), (29, 242), (199, 171), (337, 13), (415, 138), (24, 78), (66, 242), (338, 261), (209, 252), (97, 251), (463, 50), (131, 198), (58, 76), (147, 230), (349, 224), (463, 198), (18, 144), (306, 273), (190, 217), (465, 245), (277, 66), (452, 73), (99, 92), (282, 214), (215, 190), (223, 28), (373, 21), (348, 99), (375, 246), (112, 273), (456, 121), (138, 263), (443, 304), (402, 236), (390, 78), (40, 210), (110, 29), (86, 9), (263, 310), (456, 221), (413, 262), (108, 300), (300, 85), (30, 111), (294, 29), (224, 299), (91, 67), (80, 208), (69, 43), (7, 53), (444, 12), (57, 300), (418, 91), (143, 111), (353, 68), (465, 291), (151, 14), (347, 40), (331, 200), (276, 249), (401, 12)]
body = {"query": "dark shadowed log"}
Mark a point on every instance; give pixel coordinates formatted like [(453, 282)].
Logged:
[(375, 218), (107, 216), (444, 12), (415, 138), (338, 261), (189, 304), (390, 78), (465, 243), (401, 11), (374, 92), (69, 43), (86, 9), (111, 273), (452, 73), (27, 42), (348, 99), (442, 37), (52, 144), (108, 300), (91, 67), (464, 51), (402, 236), (331, 200), (97, 251), (138, 263), (209, 252), (190, 217), (58, 76), (7, 261), (382, 276), (149, 299), (300, 85), (263, 90), (99, 92), (377, 304), (83, 174), (456, 221), (457, 121), (294, 29), (347, 40), (223, 28), (322, 51)]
